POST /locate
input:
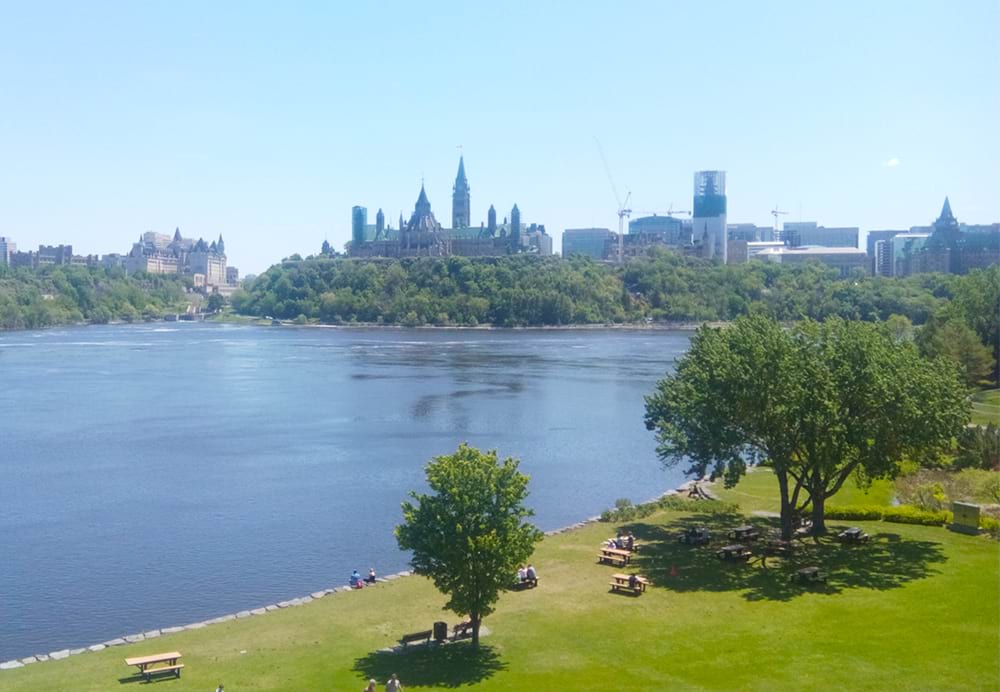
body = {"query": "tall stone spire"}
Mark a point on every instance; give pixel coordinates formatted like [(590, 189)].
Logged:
[(946, 214), (491, 221), (379, 224), (461, 199)]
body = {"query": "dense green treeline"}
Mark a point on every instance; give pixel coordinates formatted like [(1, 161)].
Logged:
[(521, 291), (48, 296)]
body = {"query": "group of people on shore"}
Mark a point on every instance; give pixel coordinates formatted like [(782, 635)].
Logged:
[(391, 685), (357, 582), (623, 541)]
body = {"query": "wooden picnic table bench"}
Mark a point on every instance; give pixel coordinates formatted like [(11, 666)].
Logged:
[(736, 552), (853, 535), (620, 582), (615, 556), (744, 533), (697, 535), (809, 574), (462, 629), (148, 668), (424, 635), (778, 546)]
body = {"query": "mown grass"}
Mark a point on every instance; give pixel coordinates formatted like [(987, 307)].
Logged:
[(917, 608), (986, 407)]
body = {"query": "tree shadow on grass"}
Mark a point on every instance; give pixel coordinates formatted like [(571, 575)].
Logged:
[(448, 665), (887, 561)]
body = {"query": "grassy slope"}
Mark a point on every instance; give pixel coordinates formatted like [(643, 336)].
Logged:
[(919, 608), (986, 407)]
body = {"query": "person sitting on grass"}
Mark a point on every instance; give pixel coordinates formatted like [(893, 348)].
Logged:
[(531, 576), (522, 574), (370, 579), (355, 580)]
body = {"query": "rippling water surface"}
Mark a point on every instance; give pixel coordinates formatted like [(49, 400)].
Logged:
[(156, 475)]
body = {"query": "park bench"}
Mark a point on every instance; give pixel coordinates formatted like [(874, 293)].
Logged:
[(462, 629), (620, 582), (148, 667), (809, 575), (425, 635), (735, 552), (614, 556), (526, 584)]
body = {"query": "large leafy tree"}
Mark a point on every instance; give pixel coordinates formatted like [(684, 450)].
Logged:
[(469, 534), (819, 403), (955, 340)]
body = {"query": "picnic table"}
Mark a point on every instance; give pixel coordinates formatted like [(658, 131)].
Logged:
[(810, 574), (620, 582), (148, 667), (853, 535), (744, 533), (735, 552), (695, 535), (776, 546), (615, 556)]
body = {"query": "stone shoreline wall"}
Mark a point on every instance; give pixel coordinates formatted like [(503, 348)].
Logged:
[(256, 612)]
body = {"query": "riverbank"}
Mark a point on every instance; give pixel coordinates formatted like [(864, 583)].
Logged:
[(136, 637), (229, 318), (700, 624)]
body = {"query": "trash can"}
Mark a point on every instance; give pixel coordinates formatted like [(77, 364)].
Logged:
[(440, 631)]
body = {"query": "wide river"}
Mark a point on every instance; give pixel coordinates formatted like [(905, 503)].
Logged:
[(157, 475)]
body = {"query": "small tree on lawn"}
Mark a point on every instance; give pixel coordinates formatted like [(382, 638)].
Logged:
[(469, 535)]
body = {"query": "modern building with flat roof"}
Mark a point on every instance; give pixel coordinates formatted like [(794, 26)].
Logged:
[(585, 241), (844, 259), (7, 248), (810, 234)]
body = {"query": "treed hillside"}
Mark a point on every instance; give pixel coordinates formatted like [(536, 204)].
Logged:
[(33, 298), (524, 291)]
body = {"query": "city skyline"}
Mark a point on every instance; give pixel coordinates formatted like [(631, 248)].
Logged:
[(268, 128)]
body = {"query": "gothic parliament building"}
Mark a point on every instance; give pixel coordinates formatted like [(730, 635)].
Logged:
[(424, 236)]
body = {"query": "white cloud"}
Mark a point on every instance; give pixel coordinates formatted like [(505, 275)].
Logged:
[(891, 163)]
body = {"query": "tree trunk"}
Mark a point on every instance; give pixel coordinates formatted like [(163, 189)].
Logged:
[(475, 629), (817, 496), (786, 506), (818, 508)]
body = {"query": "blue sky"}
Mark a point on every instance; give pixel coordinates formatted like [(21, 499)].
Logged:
[(267, 121)]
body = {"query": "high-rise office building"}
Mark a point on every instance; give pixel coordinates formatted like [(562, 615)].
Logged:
[(709, 220), (871, 247), (7, 248), (359, 219), (461, 199)]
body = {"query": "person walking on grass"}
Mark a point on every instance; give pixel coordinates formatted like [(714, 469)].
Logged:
[(371, 686), (393, 685)]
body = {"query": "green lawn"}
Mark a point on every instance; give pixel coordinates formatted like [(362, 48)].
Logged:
[(917, 608), (986, 407)]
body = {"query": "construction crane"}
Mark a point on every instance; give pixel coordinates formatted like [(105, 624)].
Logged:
[(623, 211), (775, 213)]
